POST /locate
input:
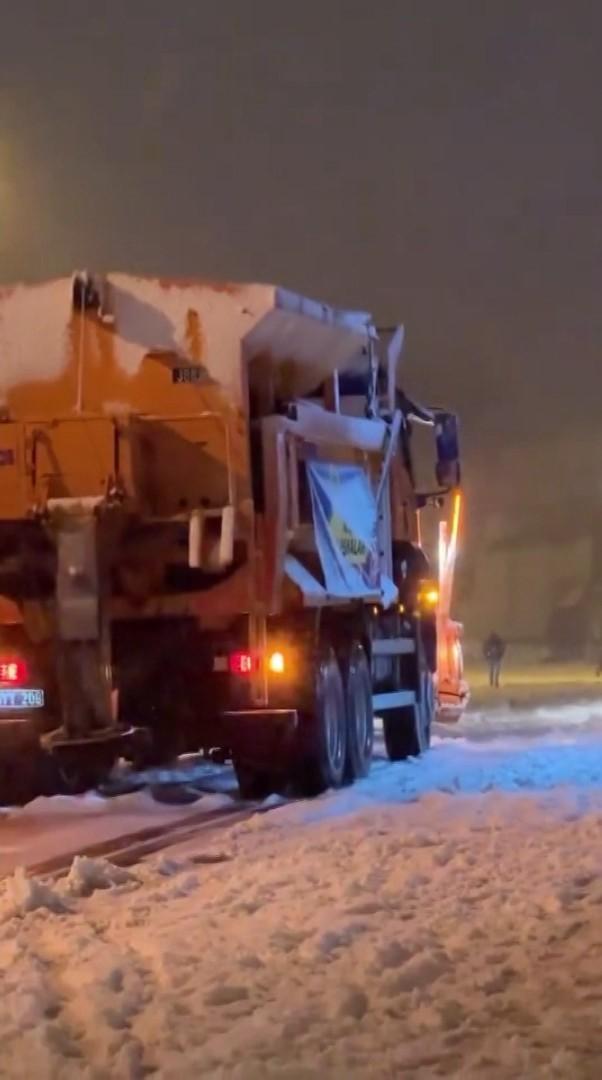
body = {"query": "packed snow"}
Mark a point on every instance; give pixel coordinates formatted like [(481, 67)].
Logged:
[(47, 829), (441, 918), (150, 315)]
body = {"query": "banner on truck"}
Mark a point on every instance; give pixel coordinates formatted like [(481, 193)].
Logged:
[(345, 522)]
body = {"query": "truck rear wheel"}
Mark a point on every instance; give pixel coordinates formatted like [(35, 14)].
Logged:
[(360, 714), (407, 730), (323, 730)]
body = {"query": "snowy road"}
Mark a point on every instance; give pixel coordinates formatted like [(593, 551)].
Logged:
[(442, 918), (504, 749)]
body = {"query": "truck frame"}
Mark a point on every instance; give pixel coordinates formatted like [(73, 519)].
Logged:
[(210, 532)]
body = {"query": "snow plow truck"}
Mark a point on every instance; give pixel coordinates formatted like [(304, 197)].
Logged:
[(210, 533)]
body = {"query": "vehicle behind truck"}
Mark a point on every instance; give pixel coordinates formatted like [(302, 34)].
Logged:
[(210, 532)]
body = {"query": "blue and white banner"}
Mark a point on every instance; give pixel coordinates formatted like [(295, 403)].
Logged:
[(345, 521)]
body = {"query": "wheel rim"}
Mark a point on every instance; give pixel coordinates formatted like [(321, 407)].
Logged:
[(332, 724), (425, 711), (361, 712), (361, 723)]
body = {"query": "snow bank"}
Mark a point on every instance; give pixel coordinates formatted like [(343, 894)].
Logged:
[(87, 875), (21, 893)]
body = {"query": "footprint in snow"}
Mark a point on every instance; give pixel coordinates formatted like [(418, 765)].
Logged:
[(353, 1004), (391, 955), (226, 995), (419, 973)]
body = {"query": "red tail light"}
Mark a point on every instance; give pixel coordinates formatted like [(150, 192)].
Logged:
[(243, 663), (14, 672)]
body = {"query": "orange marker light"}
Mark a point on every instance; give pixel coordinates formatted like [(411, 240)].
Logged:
[(277, 663)]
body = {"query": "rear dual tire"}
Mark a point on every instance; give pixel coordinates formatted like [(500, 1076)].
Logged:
[(320, 755), (360, 714), (335, 735), (339, 732), (323, 731)]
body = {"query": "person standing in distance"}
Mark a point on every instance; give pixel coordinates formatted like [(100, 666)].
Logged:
[(493, 651)]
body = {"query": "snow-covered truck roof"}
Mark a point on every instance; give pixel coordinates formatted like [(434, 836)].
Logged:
[(52, 360)]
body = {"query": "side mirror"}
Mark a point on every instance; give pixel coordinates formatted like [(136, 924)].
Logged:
[(448, 450)]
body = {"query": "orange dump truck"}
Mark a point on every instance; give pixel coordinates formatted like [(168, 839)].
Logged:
[(209, 531)]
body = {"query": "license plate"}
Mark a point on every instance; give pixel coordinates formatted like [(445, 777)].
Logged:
[(21, 699), (190, 374)]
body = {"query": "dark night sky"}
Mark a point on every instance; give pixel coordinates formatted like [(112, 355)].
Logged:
[(432, 160)]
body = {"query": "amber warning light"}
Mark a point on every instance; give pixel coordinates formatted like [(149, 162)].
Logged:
[(277, 663)]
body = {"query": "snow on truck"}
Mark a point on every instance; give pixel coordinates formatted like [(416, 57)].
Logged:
[(210, 533)]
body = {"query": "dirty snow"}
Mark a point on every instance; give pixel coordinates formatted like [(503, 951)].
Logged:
[(48, 828), (440, 919)]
